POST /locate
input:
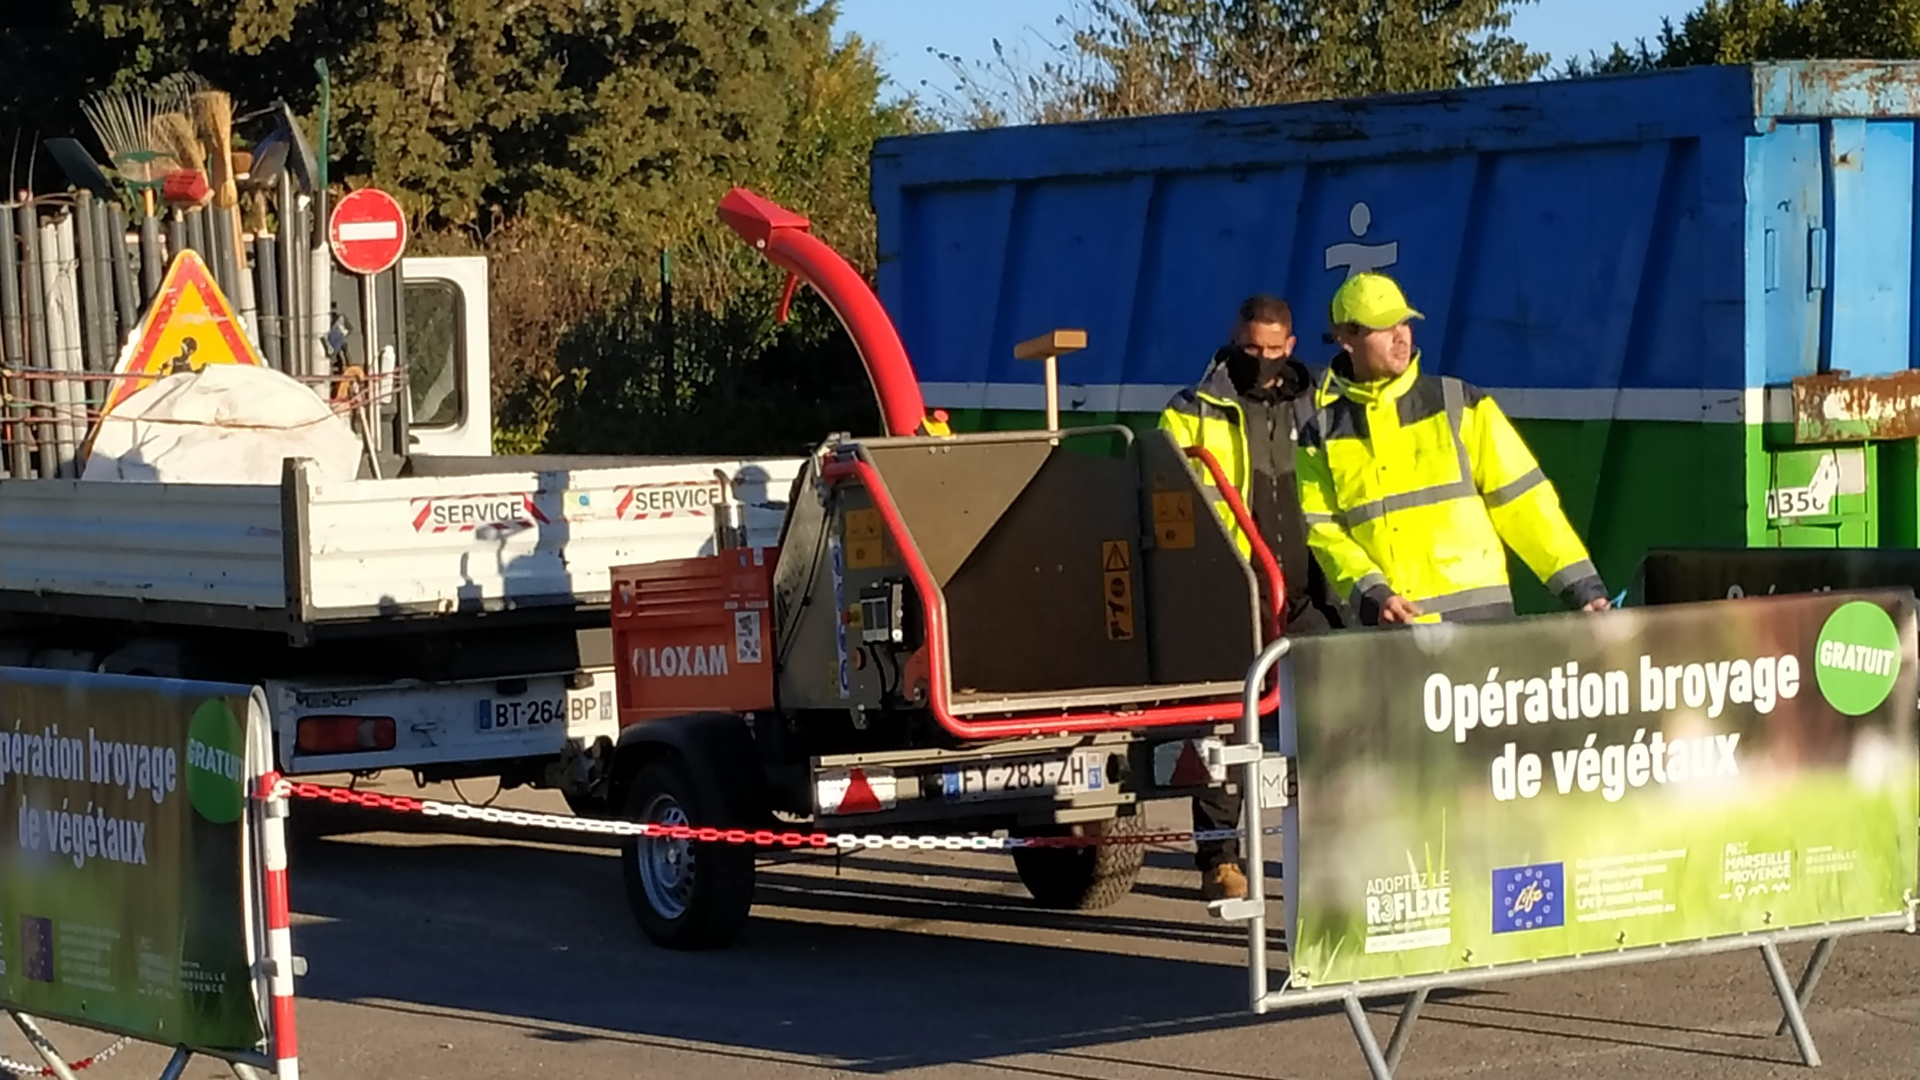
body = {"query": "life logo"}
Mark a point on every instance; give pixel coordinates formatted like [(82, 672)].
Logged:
[(1356, 256), (468, 513), (1529, 897), (693, 498)]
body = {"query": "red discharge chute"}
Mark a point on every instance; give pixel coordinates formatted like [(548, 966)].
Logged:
[(781, 235)]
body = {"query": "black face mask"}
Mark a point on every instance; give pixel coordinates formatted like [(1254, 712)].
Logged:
[(1250, 374)]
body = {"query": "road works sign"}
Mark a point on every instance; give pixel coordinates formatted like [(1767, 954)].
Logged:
[(188, 326), (367, 231)]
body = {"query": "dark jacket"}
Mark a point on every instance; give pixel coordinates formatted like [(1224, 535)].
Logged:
[(1256, 428)]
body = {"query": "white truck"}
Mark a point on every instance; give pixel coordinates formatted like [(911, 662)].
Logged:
[(450, 620)]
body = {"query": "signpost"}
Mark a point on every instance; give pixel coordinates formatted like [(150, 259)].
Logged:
[(368, 233)]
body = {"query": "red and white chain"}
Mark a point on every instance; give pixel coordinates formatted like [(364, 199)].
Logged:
[(404, 804), (21, 1068)]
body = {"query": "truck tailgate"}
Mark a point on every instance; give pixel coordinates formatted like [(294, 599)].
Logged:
[(273, 556), (217, 544)]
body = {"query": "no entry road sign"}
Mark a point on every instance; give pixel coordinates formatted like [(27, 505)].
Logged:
[(367, 231)]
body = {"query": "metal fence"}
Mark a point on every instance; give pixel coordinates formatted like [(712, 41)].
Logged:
[(76, 276)]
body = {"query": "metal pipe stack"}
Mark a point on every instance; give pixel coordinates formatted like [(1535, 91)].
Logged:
[(76, 279)]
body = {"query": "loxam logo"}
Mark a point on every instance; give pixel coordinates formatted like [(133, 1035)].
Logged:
[(680, 661)]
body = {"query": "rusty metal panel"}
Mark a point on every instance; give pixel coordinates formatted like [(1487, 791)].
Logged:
[(1050, 598), (805, 644), (952, 493), (1206, 616), (1834, 408)]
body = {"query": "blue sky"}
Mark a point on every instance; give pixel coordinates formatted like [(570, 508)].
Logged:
[(903, 29)]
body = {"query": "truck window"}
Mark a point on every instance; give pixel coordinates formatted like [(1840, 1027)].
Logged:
[(433, 319)]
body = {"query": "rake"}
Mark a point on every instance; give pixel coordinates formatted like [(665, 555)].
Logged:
[(123, 120)]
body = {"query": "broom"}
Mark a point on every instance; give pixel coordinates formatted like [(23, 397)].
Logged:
[(213, 119), (173, 135)]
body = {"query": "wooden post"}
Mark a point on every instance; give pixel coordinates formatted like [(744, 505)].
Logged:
[(1048, 348)]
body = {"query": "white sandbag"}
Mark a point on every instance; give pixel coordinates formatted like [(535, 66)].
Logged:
[(224, 424)]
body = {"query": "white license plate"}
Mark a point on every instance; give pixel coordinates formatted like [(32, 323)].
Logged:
[(1075, 774), (541, 713)]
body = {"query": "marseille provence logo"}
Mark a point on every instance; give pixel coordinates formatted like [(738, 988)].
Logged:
[(1529, 897)]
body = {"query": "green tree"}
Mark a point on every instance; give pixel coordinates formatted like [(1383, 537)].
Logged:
[(569, 141), (1744, 31), (1140, 57)]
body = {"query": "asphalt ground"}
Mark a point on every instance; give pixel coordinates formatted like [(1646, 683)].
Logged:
[(440, 949)]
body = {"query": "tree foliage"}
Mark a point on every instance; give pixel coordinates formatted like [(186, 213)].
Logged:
[(1745, 31), (571, 141), (1140, 57)]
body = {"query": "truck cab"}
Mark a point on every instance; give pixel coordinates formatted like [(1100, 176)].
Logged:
[(449, 384)]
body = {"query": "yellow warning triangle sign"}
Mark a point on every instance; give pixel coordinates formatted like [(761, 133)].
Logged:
[(188, 325), (1113, 556)]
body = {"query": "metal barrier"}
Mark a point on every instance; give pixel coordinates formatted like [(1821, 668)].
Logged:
[(1257, 768), (182, 809)]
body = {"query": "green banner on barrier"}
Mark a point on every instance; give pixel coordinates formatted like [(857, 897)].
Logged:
[(121, 874), (1484, 794)]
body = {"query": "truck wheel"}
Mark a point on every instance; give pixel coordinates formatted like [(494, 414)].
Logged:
[(685, 895), (1082, 878)]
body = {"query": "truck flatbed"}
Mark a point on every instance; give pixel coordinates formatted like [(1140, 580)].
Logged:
[(521, 541)]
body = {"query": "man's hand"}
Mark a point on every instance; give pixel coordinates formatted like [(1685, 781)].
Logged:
[(1600, 603), (1398, 609)]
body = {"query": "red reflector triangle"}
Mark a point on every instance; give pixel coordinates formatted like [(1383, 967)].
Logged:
[(1191, 769), (859, 798)]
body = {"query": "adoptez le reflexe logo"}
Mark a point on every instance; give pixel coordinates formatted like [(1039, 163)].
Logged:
[(1857, 657), (1529, 897)]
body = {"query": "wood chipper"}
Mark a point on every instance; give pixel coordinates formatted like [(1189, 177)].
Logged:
[(1033, 631)]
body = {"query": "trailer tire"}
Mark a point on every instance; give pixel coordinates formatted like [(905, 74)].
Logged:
[(684, 894), (1082, 878)]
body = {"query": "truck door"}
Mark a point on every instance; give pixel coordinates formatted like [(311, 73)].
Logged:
[(448, 364)]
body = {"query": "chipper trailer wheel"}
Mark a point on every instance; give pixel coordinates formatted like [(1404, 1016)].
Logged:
[(685, 895), (1082, 878)]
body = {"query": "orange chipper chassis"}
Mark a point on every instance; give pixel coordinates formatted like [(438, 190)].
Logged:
[(783, 237), (945, 634)]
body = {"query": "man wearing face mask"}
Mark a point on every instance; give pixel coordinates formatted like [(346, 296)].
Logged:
[(1244, 411), (1414, 484)]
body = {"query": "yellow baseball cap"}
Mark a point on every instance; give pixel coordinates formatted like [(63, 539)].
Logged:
[(1371, 300)]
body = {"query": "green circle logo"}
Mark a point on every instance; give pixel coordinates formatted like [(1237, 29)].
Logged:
[(1857, 658), (216, 763)]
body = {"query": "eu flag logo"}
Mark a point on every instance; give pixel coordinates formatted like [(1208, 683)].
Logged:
[(36, 940), (1529, 897)]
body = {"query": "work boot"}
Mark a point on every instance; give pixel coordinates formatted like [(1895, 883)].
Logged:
[(1223, 882)]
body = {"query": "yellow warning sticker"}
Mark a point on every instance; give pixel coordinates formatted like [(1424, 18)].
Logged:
[(866, 540), (1116, 565), (1173, 519)]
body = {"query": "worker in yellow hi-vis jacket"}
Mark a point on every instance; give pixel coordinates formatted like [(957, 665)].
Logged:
[(1411, 483)]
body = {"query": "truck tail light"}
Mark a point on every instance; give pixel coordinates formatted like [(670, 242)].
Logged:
[(343, 734)]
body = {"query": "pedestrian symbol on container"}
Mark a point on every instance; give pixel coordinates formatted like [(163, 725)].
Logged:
[(1356, 257)]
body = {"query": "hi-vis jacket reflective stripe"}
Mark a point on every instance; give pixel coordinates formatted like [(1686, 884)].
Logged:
[(1410, 486)]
